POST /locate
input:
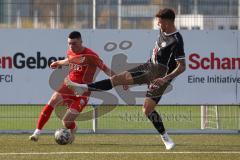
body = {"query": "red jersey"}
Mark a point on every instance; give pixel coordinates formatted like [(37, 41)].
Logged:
[(83, 65)]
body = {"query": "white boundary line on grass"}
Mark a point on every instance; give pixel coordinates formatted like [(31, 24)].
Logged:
[(170, 152)]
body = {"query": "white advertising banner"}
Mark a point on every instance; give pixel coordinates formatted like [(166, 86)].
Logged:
[(212, 75), (212, 66)]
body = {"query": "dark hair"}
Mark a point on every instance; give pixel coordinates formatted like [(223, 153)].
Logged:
[(75, 34), (166, 13)]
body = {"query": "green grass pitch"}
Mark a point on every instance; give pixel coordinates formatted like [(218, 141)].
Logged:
[(119, 146), (121, 117)]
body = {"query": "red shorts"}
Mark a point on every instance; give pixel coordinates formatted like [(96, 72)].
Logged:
[(71, 100)]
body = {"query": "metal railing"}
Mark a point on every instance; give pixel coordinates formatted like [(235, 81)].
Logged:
[(117, 14)]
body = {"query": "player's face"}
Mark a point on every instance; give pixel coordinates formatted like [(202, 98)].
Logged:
[(75, 45), (162, 23)]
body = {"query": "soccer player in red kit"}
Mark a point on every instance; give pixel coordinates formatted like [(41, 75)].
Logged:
[(83, 63)]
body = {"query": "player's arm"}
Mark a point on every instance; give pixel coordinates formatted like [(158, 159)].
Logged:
[(107, 70), (59, 63), (181, 66), (99, 62)]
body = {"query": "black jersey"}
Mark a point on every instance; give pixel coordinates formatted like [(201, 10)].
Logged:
[(168, 49)]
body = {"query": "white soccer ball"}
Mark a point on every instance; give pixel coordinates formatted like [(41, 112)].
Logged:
[(63, 136)]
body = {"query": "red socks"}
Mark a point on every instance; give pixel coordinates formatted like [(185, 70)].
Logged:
[(72, 125), (44, 116)]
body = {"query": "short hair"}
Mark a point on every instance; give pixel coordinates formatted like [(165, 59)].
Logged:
[(166, 13), (75, 34)]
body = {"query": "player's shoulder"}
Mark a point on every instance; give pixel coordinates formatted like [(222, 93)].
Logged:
[(178, 37), (90, 51), (70, 54), (178, 34), (90, 54)]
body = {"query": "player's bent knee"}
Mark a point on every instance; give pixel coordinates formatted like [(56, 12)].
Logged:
[(128, 75), (116, 80), (147, 110), (70, 117), (55, 96), (144, 111), (123, 78), (55, 100)]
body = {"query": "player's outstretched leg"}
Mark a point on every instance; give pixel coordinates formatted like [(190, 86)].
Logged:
[(124, 78), (79, 89)]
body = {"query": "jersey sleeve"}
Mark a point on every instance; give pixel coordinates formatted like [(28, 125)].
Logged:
[(96, 60), (179, 49), (100, 64)]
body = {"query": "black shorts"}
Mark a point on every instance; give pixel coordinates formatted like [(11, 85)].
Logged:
[(145, 74)]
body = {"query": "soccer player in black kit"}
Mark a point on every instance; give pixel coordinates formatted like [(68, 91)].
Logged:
[(166, 63)]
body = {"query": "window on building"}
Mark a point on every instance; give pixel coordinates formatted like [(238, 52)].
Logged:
[(234, 27), (135, 2), (220, 27), (195, 28), (183, 28)]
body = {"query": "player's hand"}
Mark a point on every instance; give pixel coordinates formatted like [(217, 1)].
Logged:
[(54, 65), (125, 87), (158, 82)]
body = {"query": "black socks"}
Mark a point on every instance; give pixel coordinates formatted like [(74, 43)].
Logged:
[(103, 85), (155, 118)]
